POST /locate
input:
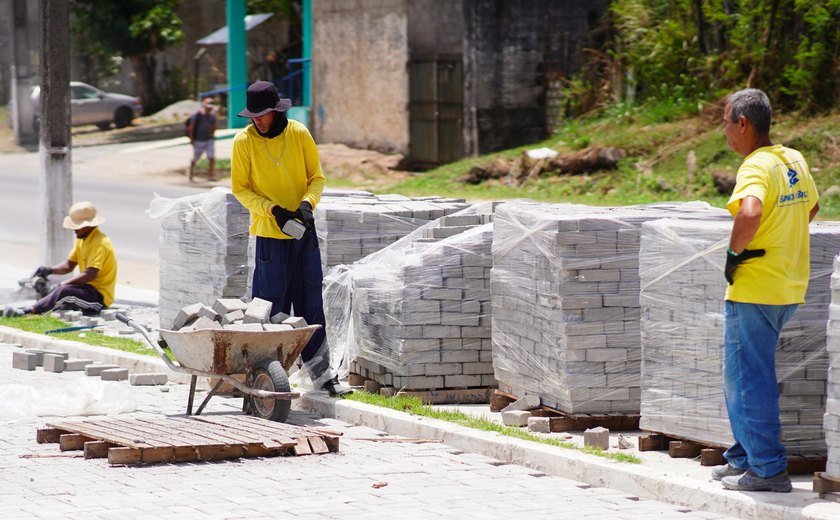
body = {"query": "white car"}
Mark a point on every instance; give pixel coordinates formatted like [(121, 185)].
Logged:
[(89, 105)]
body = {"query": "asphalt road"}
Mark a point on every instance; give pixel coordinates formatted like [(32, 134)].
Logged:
[(120, 179)]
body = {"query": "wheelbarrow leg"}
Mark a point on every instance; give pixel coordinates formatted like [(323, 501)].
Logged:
[(193, 379), (210, 394)]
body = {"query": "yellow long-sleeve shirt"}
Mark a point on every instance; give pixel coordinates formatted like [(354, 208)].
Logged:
[(283, 171)]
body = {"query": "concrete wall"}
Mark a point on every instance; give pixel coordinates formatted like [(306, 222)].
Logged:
[(359, 75), (511, 44), (435, 27)]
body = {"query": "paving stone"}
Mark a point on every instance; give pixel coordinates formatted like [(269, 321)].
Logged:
[(516, 418), (277, 327), (76, 364), (114, 374), (24, 360), (186, 315), (233, 316), (246, 327), (39, 356), (597, 438), (528, 402), (224, 306), (53, 363), (258, 311), (280, 317), (203, 323), (207, 312), (150, 379), (539, 424), (296, 322), (97, 368)]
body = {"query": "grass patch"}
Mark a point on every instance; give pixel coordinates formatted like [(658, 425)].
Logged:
[(415, 406), (39, 324), (221, 167)]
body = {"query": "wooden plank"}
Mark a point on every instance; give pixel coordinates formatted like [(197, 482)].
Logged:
[(268, 440), (302, 447), (451, 396), (356, 380), (711, 457), (72, 441), (683, 449), (48, 435), (318, 445), (220, 452), (798, 465), (652, 442), (97, 449), (499, 401), (96, 430), (123, 455), (825, 484)]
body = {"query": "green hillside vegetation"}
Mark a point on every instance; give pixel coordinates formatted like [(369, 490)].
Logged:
[(655, 167)]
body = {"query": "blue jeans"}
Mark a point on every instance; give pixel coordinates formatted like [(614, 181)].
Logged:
[(288, 272), (749, 384)]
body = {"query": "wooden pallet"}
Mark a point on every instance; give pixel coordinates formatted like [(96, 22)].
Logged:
[(182, 439), (560, 421), (711, 455), (827, 487)]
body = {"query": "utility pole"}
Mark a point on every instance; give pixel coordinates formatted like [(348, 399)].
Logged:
[(55, 180), (24, 68), (237, 62)]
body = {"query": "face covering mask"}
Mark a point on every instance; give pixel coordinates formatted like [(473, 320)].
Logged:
[(277, 127)]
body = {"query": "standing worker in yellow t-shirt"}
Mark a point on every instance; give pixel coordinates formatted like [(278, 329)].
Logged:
[(767, 268), (276, 174), (92, 289)]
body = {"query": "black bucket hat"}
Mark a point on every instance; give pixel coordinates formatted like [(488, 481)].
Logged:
[(262, 98)]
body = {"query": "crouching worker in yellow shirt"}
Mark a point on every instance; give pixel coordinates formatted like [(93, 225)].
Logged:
[(92, 289)]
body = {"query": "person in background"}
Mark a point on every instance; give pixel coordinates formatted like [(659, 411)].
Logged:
[(200, 130)]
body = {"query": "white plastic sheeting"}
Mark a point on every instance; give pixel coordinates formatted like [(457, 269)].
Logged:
[(81, 397)]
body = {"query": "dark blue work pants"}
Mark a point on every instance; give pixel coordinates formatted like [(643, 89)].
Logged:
[(288, 272)]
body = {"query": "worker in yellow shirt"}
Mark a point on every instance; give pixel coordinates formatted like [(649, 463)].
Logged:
[(767, 269), (93, 288), (276, 174)]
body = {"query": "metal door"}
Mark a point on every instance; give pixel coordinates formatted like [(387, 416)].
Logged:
[(436, 111)]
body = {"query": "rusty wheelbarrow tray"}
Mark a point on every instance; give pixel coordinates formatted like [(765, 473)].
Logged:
[(223, 353)]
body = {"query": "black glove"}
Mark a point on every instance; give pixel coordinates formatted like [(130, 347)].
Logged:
[(282, 215), (733, 260), (43, 271), (306, 215)]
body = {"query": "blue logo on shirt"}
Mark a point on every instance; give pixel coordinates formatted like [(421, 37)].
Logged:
[(792, 180)]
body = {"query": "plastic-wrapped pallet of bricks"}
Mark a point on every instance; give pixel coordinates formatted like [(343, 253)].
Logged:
[(682, 290), (565, 298), (355, 224), (416, 315), (203, 250), (831, 420)]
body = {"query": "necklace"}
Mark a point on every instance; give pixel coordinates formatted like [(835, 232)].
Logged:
[(277, 160)]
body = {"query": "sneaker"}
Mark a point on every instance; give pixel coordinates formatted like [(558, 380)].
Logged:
[(727, 470), (749, 481), (335, 388)]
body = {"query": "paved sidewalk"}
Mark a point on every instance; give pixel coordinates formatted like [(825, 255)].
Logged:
[(367, 479)]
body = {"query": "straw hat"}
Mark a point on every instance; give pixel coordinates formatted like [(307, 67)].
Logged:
[(83, 214)]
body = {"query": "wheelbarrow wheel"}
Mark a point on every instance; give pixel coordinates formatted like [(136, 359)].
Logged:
[(269, 375)]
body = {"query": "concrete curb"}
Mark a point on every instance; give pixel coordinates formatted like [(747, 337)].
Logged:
[(135, 363), (630, 478)]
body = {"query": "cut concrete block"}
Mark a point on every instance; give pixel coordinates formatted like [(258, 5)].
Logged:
[(109, 315), (186, 315), (539, 424), (597, 438), (258, 311), (224, 306), (97, 368), (64, 355), (296, 322), (528, 402), (233, 316), (24, 360), (204, 323), (53, 363), (76, 364), (39, 356), (280, 317), (516, 418), (277, 326), (207, 312), (246, 327), (147, 379), (114, 374)]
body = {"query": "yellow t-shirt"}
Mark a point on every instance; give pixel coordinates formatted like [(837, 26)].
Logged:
[(781, 179), (284, 170), (95, 250)]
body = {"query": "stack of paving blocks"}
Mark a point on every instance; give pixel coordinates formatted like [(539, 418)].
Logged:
[(203, 251), (416, 315), (234, 314), (831, 420), (354, 225), (682, 290), (565, 302)]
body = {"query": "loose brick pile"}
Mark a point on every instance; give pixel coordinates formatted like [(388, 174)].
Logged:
[(355, 224), (681, 269), (203, 251), (565, 295), (416, 315), (831, 420), (235, 314)]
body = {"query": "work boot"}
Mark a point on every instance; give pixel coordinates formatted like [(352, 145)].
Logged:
[(727, 470), (335, 388), (11, 312), (749, 481)]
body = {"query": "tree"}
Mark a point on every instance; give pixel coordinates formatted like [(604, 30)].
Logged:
[(134, 29)]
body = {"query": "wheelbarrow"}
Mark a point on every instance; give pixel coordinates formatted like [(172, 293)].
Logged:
[(264, 357)]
